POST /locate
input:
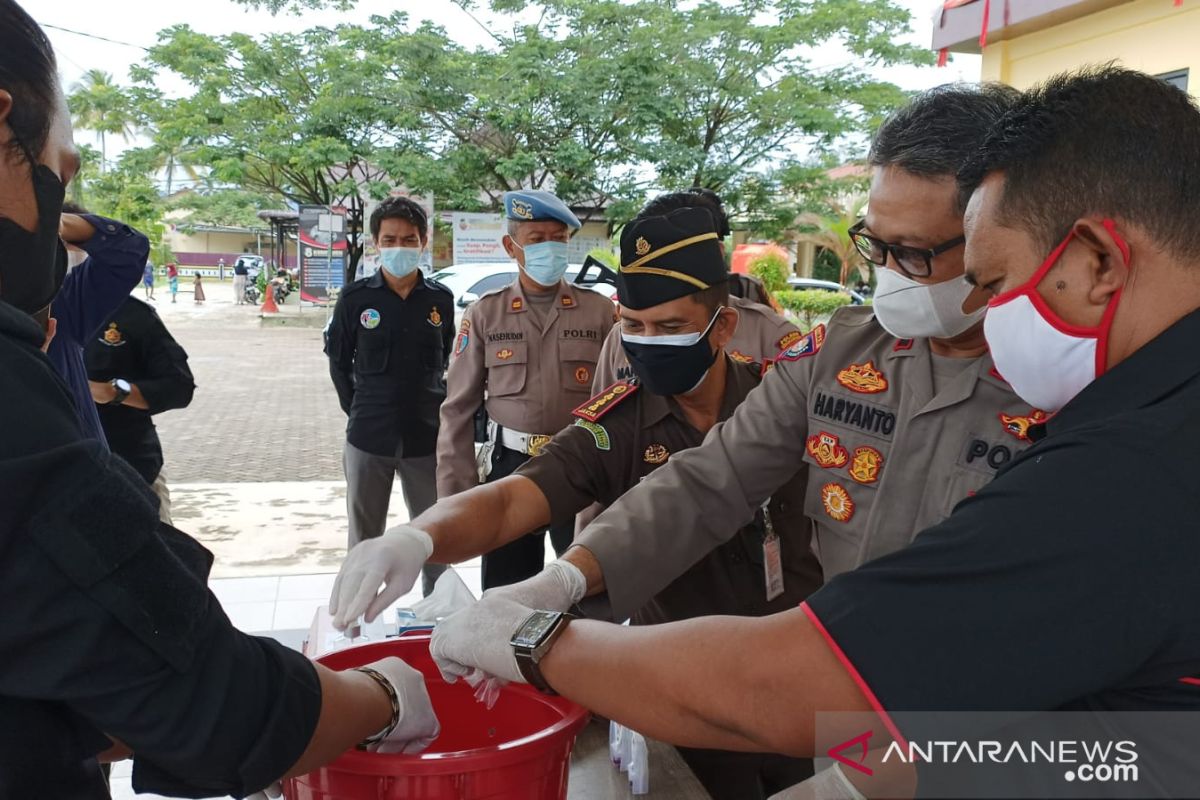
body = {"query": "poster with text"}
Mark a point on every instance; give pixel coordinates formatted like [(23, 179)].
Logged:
[(322, 252)]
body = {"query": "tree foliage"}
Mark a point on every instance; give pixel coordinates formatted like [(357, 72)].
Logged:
[(603, 101), (812, 305)]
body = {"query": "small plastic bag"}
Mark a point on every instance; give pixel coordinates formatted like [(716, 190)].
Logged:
[(450, 595), (639, 765)]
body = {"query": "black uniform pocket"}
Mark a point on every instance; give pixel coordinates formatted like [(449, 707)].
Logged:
[(373, 355), (102, 531)]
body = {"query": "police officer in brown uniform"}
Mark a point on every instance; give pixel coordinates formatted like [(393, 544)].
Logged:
[(896, 410), (527, 353), (761, 332), (676, 325)]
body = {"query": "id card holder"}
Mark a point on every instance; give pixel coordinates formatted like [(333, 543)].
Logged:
[(772, 557)]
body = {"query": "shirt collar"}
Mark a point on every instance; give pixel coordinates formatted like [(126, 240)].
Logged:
[(1155, 370)]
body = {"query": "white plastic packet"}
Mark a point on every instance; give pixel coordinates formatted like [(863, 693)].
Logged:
[(449, 596), (639, 765)]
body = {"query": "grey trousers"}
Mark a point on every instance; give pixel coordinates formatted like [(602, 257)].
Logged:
[(369, 490)]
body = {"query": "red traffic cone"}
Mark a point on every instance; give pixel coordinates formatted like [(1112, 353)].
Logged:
[(268, 306)]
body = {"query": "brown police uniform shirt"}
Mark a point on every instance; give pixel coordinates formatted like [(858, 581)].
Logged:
[(761, 333), (532, 376), (886, 457), (620, 437)]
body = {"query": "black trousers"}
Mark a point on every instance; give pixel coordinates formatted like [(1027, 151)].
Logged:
[(745, 776), (524, 557)]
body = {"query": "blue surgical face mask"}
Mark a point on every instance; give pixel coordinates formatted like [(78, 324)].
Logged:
[(400, 261), (545, 262)]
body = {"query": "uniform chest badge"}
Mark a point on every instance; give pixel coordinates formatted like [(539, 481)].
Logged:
[(837, 502), (583, 376), (1019, 426), (505, 354), (656, 454), (865, 465), (826, 450), (435, 318), (740, 357), (863, 378), (517, 304), (567, 301), (789, 339), (370, 319), (113, 336)]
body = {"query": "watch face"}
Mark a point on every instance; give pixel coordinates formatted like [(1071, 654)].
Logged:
[(123, 385), (535, 628)]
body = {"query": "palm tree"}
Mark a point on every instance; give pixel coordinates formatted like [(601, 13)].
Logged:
[(99, 105), (831, 231), (171, 156)]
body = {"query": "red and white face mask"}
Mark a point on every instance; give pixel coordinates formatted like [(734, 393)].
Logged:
[(1045, 359)]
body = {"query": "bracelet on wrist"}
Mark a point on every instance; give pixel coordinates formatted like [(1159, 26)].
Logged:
[(386, 685)]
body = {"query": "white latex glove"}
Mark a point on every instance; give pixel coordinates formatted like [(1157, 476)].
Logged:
[(418, 725), (477, 638), (272, 792), (392, 562), (556, 588), (829, 784)]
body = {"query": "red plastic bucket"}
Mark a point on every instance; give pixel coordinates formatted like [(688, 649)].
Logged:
[(519, 750)]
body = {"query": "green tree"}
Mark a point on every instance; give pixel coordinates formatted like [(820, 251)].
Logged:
[(812, 305), (773, 270), (283, 115), (226, 207), (127, 192), (830, 231), (99, 105)]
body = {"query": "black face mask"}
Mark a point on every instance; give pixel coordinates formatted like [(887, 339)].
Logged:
[(33, 264), (671, 368)]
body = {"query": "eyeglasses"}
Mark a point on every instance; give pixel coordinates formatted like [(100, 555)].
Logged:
[(915, 262)]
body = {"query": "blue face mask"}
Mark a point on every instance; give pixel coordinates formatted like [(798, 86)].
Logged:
[(400, 261), (545, 262)]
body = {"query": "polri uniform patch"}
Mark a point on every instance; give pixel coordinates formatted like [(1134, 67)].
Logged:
[(113, 336), (593, 410), (808, 345), (865, 465), (788, 340), (837, 502), (370, 319), (1019, 426), (863, 378), (826, 450)]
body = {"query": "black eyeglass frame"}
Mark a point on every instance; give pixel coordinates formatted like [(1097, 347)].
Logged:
[(898, 251)]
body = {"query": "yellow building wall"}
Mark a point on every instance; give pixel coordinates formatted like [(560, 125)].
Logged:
[(216, 243), (1148, 35)]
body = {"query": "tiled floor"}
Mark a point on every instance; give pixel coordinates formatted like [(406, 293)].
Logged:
[(271, 604)]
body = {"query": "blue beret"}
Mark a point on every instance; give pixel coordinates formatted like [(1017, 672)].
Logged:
[(535, 205)]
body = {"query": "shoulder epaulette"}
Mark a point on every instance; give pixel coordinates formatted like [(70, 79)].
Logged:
[(595, 409), (430, 282), (807, 345)]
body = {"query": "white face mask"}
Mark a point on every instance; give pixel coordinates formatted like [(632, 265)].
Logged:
[(1046, 359), (908, 309)]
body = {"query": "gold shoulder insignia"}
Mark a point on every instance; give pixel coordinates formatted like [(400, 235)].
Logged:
[(593, 410)]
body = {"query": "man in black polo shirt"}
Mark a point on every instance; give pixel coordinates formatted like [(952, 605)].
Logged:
[(388, 346), (1069, 583)]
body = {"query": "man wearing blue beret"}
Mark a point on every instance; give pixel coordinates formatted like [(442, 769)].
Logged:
[(527, 353)]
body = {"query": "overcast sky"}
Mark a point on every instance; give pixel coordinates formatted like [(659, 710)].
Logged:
[(137, 22)]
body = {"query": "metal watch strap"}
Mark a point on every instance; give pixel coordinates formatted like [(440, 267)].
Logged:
[(386, 685)]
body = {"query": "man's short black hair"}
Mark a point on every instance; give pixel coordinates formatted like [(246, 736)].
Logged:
[(939, 129), (399, 208), (29, 73), (695, 197), (1102, 141)]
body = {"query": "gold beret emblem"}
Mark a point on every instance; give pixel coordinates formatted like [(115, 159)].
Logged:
[(641, 246)]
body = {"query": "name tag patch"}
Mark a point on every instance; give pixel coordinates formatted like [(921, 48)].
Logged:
[(855, 414)]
